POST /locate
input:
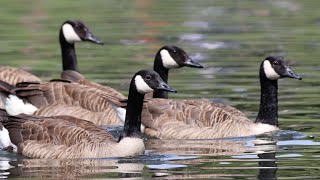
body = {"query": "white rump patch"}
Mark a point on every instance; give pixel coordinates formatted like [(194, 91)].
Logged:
[(269, 71), (261, 128), (69, 34), (141, 85), (15, 106), (167, 61), (5, 139)]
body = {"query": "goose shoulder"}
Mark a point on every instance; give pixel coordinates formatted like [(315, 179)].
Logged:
[(13, 75), (66, 137)]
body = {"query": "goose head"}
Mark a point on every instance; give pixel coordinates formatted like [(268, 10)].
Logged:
[(146, 81), (73, 31), (274, 68), (172, 57)]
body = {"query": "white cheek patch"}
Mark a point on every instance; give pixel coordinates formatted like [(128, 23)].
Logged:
[(69, 34), (269, 71), (167, 61), (142, 87)]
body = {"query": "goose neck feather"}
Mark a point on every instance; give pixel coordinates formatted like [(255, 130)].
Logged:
[(69, 58), (163, 72), (133, 115), (268, 112)]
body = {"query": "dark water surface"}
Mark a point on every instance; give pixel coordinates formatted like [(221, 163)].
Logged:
[(230, 38)]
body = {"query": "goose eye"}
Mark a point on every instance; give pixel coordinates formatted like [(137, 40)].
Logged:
[(174, 51), (148, 77), (275, 63)]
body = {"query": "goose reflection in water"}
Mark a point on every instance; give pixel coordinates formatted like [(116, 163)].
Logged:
[(73, 168)]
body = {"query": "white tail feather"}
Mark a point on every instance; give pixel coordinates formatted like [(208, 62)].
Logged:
[(5, 139), (15, 106), (121, 113)]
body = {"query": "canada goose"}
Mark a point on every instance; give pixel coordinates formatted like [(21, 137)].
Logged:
[(69, 137), (73, 31), (89, 101), (70, 33), (202, 119), (70, 65)]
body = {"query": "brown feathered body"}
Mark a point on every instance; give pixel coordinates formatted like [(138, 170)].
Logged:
[(66, 137), (197, 119), (13, 76), (72, 99)]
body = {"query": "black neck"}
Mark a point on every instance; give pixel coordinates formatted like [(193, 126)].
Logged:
[(163, 72), (132, 123), (268, 112), (69, 58)]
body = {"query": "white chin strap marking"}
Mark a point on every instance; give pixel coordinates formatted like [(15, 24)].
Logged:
[(167, 61), (69, 34), (269, 71), (142, 87)]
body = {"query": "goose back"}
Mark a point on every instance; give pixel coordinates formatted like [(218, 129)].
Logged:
[(13, 76), (74, 76), (72, 99), (42, 94)]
